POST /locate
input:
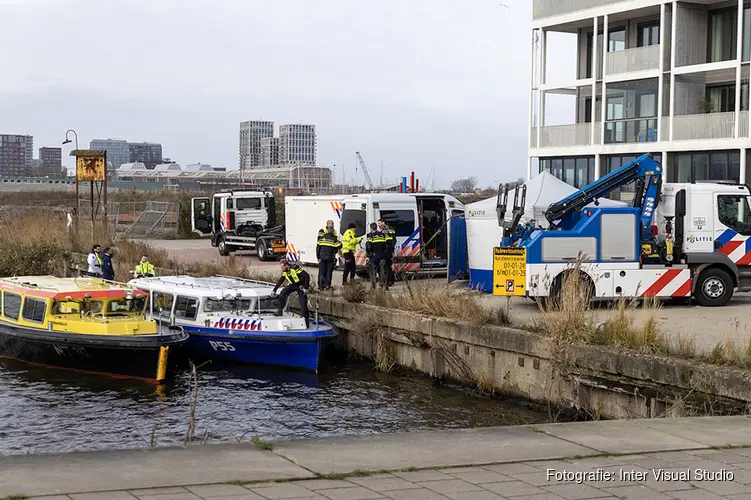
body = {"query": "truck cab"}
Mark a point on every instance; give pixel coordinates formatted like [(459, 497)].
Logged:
[(420, 223), (236, 219)]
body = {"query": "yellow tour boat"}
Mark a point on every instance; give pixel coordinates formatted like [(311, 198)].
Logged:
[(84, 324)]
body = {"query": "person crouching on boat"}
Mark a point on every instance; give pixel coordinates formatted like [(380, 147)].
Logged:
[(94, 260), (108, 270), (297, 280), (144, 269)]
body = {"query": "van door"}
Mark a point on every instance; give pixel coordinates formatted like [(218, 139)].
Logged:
[(200, 216), (403, 219)]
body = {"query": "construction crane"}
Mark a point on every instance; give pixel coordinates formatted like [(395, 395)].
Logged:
[(368, 181)]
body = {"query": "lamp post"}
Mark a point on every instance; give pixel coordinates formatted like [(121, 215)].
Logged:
[(75, 135), (75, 174)]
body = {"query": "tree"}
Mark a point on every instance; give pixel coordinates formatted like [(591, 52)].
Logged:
[(464, 185)]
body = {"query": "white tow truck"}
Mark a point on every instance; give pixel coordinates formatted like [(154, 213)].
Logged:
[(238, 220)]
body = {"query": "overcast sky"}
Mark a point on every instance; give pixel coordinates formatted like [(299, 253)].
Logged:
[(411, 83)]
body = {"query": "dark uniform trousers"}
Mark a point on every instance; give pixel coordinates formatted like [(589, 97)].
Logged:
[(325, 272), (297, 281)]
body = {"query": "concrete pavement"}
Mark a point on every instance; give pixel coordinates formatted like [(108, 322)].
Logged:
[(644, 459)]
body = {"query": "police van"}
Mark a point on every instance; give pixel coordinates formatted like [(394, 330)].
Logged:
[(421, 223)]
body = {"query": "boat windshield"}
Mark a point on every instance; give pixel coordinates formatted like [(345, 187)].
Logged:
[(269, 305), (215, 305), (125, 307)]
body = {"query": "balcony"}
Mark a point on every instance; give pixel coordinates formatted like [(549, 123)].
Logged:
[(564, 136), (704, 126), (550, 8), (633, 60), (627, 131)]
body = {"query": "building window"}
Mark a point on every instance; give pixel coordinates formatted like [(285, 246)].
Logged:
[(649, 34), (747, 33), (723, 34), (577, 171), (617, 39), (723, 97), (706, 166)]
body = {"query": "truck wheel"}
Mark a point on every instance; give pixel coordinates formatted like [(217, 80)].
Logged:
[(224, 249), (714, 288), (262, 251)]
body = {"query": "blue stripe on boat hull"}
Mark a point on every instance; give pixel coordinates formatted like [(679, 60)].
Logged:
[(288, 349)]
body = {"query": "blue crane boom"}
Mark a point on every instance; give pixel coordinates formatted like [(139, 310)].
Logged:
[(644, 170)]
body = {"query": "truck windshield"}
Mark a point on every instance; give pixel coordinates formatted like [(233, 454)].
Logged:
[(248, 203), (214, 305), (356, 216), (734, 212)]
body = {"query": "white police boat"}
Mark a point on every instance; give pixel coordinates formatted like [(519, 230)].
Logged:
[(235, 320)]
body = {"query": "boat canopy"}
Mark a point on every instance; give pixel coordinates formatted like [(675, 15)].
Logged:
[(213, 287)]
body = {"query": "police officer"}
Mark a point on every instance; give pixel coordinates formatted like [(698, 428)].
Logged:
[(297, 280), (390, 236), (349, 246), (376, 248), (144, 269), (326, 250)]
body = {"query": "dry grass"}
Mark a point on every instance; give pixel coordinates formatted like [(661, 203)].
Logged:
[(442, 301), (568, 317), (619, 330)]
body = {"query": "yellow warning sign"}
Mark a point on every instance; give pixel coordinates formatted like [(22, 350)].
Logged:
[(509, 271)]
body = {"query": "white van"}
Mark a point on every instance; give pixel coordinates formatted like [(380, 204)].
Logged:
[(420, 221), (303, 217)]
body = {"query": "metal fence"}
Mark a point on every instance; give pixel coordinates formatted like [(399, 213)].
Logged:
[(140, 219)]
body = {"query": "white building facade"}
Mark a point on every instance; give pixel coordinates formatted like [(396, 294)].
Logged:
[(118, 150), (297, 144), (674, 80), (251, 135)]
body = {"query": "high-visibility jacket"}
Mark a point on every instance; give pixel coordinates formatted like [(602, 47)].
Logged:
[(144, 269), (350, 241), (295, 275), (328, 244)]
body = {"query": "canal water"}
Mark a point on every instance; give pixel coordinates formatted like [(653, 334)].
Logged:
[(47, 410)]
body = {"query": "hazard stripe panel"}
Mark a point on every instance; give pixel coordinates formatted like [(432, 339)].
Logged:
[(670, 283)]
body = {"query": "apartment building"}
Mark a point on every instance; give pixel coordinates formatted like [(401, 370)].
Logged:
[(50, 162), (251, 135), (297, 144), (270, 151), (16, 155), (148, 153), (674, 80), (118, 150)]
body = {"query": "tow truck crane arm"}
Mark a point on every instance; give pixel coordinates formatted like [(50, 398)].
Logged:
[(644, 170), (512, 230)]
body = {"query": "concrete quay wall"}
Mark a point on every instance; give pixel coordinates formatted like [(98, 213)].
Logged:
[(599, 381)]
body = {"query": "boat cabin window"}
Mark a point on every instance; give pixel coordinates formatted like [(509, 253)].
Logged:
[(34, 309), (125, 307), (91, 307), (11, 305), (186, 307), (69, 307), (163, 300), (226, 305)]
